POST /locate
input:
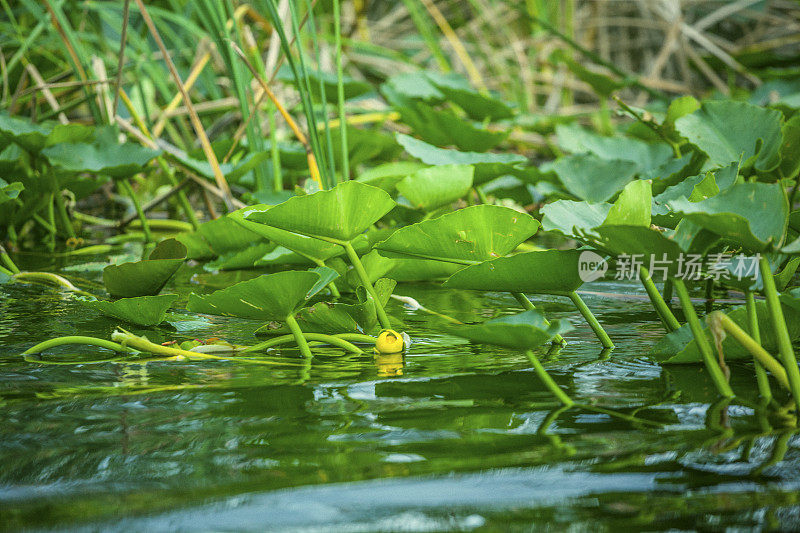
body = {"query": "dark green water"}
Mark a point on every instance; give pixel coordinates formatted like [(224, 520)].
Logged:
[(455, 437)]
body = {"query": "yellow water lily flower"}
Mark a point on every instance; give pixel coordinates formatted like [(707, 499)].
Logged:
[(389, 341)]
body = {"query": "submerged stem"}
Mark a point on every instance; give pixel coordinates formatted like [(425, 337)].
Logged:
[(75, 339), (548, 382)]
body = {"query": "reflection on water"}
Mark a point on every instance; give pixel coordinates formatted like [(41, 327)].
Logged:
[(450, 436)]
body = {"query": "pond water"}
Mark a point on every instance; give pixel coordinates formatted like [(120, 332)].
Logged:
[(456, 436)]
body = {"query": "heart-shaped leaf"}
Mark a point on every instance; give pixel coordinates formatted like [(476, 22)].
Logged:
[(478, 106), (753, 215), (730, 131), (148, 277), (548, 271), (465, 236), (646, 156), (487, 165), (104, 156), (267, 297), (434, 187), (142, 310), (340, 213), (309, 247), (592, 178), (523, 331)]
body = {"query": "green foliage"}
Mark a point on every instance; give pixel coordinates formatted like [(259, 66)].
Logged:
[(523, 331)]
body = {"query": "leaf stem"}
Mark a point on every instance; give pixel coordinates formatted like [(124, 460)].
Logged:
[(548, 381), (605, 340), (91, 341), (298, 336), (779, 327), (755, 333), (662, 309), (383, 318), (333, 340), (722, 385), (760, 355), (126, 186)]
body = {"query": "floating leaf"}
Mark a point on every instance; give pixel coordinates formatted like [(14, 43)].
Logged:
[(340, 213), (468, 235), (753, 215), (104, 156), (632, 207), (9, 191), (267, 297), (309, 247), (352, 87), (523, 331), (646, 156), (443, 128), (387, 175), (573, 218), (487, 165), (148, 277), (435, 187), (478, 106), (548, 271), (730, 131), (592, 178), (141, 310)]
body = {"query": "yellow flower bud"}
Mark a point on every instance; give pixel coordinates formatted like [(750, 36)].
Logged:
[(389, 341)]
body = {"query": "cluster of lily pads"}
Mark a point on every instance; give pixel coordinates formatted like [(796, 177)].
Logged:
[(715, 179)]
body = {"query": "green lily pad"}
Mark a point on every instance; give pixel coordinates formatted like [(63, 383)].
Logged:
[(487, 165), (548, 271), (245, 258), (468, 235), (387, 175), (34, 137), (267, 297), (352, 87), (730, 131), (340, 213), (141, 310), (523, 331), (572, 218), (434, 187), (790, 155), (9, 191), (633, 207), (593, 178), (309, 247), (104, 156), (148, 277), (753, 215), (478, 106), (576, 139), (640, 241), (443, 128)]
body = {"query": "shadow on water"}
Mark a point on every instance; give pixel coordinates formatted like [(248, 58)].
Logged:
[(450, 436)]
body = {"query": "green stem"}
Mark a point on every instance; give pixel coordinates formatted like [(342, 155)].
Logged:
[(722, 385), (481, 196), (298, 336), (334, 340), (357, 337), (6, 259), (91, 341), (183, 200), (337, 37), (760, 355), (590, 319), (383, 318), (781, 333), (752, 326), (664, 313), (668, 292), (126, 185), (46, 277), (545, 378), (62, 214), (528, 306), (51, 221)]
